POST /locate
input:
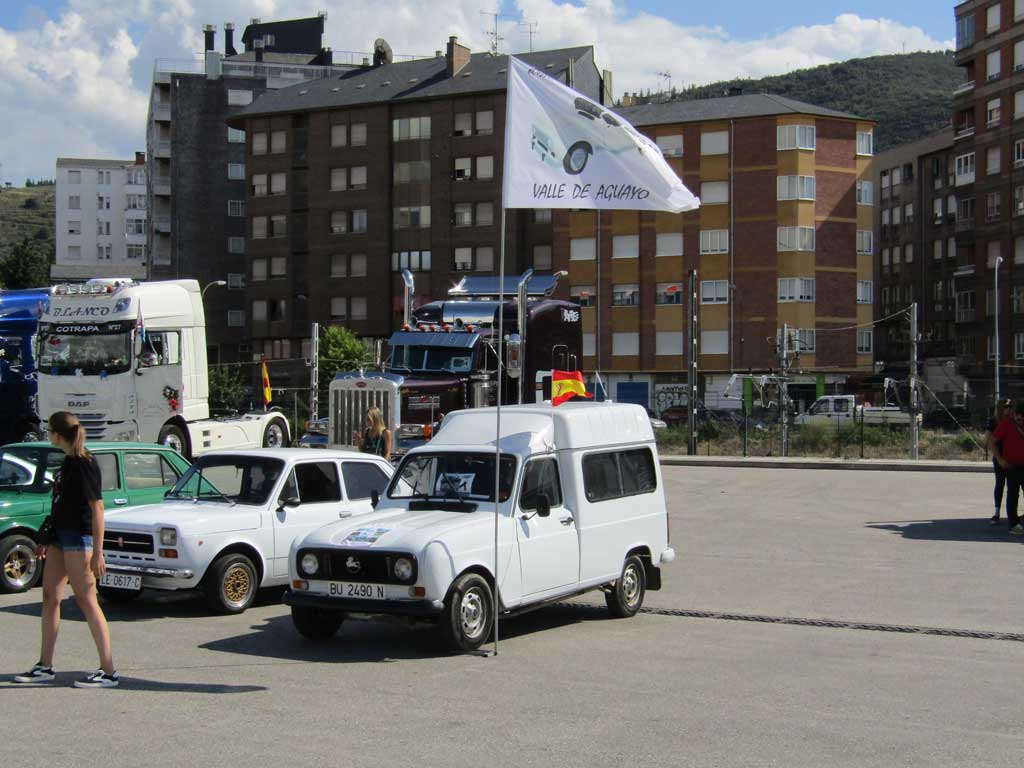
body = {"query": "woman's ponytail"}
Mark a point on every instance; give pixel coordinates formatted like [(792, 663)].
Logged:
[(70, 429)]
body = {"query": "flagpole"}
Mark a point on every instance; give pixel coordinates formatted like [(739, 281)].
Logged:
[(598, 386)]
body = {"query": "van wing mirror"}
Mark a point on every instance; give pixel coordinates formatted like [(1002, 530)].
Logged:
[(374, 498), (287, 501), (543, 505)]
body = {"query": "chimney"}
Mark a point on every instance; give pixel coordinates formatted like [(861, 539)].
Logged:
[(366, 61), (457, 56), (258, 47), (229, 39), (326, 57), (140, 158), (438, 54), (209, 31)]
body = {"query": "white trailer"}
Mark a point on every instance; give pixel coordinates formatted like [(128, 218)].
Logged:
[(129, 360)]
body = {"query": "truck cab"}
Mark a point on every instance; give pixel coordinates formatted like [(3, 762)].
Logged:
[(19, 321), (576, 502)]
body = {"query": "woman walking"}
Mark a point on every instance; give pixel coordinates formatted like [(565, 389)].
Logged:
[(77, 517), (376, 438), (1002, 413)]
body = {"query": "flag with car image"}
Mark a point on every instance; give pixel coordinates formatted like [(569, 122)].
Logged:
[(563, 150)]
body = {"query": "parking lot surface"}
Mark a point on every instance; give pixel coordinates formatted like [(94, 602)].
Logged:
[(813, 618)]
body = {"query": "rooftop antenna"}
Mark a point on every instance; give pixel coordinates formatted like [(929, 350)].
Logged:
[(495, 36), (531, 29), (668, 76)]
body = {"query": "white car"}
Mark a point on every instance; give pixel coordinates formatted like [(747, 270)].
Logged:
[(227, 526), (580, 502)]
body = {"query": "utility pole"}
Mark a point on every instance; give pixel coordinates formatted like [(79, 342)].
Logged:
[(999, 261), (914, 434), (784, 389), (691, 368), (531, 30), (314, 374)]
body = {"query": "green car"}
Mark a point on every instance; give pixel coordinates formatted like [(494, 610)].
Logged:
[(132, 474)]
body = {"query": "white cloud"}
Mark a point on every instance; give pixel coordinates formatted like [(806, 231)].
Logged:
[(78, 84)]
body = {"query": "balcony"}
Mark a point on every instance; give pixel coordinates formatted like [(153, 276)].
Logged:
[(964, 88), (963, 132), (162, 224), (161, 112), (964, 225), (162, 186), (162, 149), (967, 177), (965, 315)]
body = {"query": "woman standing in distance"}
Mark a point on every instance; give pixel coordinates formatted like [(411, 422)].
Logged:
[(1002, 413), (77, 517), (376, 438)]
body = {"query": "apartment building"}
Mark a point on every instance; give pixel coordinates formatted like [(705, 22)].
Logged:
[(101, 219), (197, 173), (989, 178), (386, 167), (784, 236)]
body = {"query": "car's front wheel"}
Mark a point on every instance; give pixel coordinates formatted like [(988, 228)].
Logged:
[(626, 595), (314, 624), (21, 567), (468, 613), (231, 583)]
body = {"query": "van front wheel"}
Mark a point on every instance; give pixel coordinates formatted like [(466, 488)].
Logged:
[(626, 595), (468, 613)]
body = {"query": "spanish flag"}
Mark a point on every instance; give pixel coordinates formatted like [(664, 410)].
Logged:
[(565, 385), (267, 396)]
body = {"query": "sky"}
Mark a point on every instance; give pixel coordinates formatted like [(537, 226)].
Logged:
[(75, 74)]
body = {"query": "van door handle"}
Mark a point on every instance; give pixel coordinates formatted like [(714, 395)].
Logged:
[(120, 501), (566, 520), (343, 515)]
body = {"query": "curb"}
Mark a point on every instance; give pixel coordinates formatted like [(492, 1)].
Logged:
[(870, 465)]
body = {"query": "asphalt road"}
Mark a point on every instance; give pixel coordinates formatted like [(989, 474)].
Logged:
[(573, 688)]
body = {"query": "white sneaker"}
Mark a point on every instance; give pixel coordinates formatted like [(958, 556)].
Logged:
[(38, 674), (1017, 530), (98, 679)]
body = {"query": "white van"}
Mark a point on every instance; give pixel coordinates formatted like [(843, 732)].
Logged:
[(581, 506)]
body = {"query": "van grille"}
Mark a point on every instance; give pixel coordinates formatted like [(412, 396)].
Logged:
[(125, 541), (373, 567)]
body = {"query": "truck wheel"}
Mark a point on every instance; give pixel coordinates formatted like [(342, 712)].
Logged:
[(576, 158), (626, 595), (314, 624), (31, 435), (231, 583), (172, 436), (468, 613), (275, 434), (118, 595), (21, 567)]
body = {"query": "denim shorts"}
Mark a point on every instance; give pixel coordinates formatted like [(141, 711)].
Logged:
[(72, 541)]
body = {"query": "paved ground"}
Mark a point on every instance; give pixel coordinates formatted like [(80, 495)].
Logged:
[(572, 688)]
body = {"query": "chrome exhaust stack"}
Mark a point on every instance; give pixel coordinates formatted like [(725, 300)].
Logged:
[(410, 285)]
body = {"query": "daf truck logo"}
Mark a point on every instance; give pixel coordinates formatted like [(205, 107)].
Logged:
[(78, 403), (353, 565)]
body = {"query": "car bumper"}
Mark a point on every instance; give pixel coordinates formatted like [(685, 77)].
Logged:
[(416, 608), (157, 578)]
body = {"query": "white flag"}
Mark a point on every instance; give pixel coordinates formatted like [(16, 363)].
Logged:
[(563, 150)]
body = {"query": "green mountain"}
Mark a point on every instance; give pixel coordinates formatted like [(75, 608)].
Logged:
[(909, 95), (27, 224)]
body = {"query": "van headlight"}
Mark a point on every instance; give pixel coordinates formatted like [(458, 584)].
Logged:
[(403, 569), (310, 563), (168, 537)]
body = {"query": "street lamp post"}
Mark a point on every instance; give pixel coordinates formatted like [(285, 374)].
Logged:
[(999, 261), (211, 284)]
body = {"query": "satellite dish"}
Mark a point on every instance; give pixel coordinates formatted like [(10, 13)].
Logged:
[(382, 52)]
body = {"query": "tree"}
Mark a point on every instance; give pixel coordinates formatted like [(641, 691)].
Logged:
[(227, 388), (341, 350), (27, 265)]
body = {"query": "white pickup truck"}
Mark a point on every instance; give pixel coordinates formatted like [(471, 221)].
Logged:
[(844, 408), (228, 524), (581, 506)]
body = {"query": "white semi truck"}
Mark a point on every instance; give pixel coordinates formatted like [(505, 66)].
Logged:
[(129, 360)]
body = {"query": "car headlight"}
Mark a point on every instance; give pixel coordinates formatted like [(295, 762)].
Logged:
[(168, 537), (310, 563), (402, 569)]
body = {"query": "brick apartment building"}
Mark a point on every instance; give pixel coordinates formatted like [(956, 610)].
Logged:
[(196, 164), (988, 169), (387, 167), (783, 236), (354, 178)]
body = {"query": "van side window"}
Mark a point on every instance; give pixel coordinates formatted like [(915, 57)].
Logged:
[(540, 477), (616, 474)]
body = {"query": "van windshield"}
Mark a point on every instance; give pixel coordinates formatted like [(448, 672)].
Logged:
[(463, 476)]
